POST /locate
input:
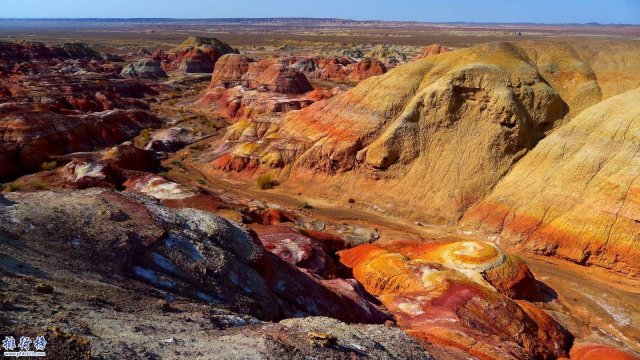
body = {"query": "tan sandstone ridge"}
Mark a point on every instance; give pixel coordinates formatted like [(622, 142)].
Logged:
[(431, 138), (576, 195)]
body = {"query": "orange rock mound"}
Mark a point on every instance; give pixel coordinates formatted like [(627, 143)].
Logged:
[(433, 49), (588, 351), (438, 293)]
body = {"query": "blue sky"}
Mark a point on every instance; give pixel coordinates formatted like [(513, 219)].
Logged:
[(544, 11)]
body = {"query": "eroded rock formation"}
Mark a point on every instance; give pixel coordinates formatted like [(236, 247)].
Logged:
[(62, 100), (574, 195), (441, 293), (243, 88), (194, 55), (433, 49), (144, 69), (437, 134)]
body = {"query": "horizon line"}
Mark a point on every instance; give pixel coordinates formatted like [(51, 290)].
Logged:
[(594, 23)]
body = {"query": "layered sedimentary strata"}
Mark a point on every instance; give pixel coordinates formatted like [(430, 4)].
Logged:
[(243, 88), (342, 69), (366, 68), (34, 57), (575, 194), (31, 138), (194, 55), (111, 170), (276, 77), (230, 69), (62, 100), (441, 293), (437, 134)]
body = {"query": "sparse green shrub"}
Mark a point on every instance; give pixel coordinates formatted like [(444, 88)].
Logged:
[(266, 181), (49, 165), (143, 137)]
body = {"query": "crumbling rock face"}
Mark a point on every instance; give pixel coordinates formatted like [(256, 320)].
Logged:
[(116, 165), (159, 187), (439, 294), (171, 139), (574, 195), (340, 68), (280, 79), (230, 69), (128, 156), (296, 249), (83, 173)]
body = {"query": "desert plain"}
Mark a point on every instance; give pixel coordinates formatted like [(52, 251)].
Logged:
[(320, 188)]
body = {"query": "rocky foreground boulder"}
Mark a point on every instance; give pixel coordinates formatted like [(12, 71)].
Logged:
[(95, 266), (186, 252)]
